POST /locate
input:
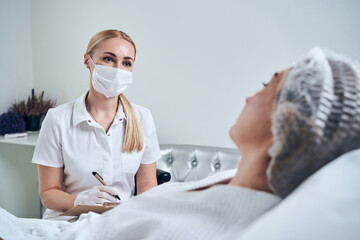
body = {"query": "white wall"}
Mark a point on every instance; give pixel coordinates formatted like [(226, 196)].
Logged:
[(197, 60), (16, 78)]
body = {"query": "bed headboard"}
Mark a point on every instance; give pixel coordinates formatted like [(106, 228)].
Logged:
[(191, 162)]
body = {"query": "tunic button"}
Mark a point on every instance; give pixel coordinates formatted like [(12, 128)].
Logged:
[(109, 134), (89, 120), (120, 119)]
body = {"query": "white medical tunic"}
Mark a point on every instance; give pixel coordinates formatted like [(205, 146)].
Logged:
[(69, 138)]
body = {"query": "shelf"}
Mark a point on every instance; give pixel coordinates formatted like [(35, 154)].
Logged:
[(30, 140)]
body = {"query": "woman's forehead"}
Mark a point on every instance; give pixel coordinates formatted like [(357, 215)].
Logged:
[(117, 46)]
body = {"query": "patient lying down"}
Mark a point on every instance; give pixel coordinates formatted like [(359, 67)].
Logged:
[(282, 134)]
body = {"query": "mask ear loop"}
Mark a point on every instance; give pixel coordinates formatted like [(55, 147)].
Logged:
[(91, 60), (92, 72)]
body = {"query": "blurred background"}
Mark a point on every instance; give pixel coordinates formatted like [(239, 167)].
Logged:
[(197, 60)]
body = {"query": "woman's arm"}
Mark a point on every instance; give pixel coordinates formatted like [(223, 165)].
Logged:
[(51, 189), (146, 177)]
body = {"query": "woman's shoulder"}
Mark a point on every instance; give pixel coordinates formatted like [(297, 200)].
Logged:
[(63, 108), (63, 111), (145, 119), (142, 113), (140, 109)]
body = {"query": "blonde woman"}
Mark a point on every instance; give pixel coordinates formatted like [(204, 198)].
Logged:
[(99, 132)]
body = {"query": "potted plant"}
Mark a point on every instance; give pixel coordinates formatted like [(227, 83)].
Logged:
[(33, 109)]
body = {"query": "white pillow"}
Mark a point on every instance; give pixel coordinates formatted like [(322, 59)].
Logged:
[(325, 206)]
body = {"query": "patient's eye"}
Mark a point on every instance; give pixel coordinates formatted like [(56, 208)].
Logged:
[(265, 84)]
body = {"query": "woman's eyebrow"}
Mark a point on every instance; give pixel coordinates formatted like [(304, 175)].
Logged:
[(129, 58), (110, 53), (274, 76)]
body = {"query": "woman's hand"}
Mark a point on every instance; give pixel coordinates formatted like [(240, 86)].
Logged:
[(98, 195)]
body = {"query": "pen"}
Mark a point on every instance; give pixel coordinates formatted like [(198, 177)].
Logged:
[(98, 177)]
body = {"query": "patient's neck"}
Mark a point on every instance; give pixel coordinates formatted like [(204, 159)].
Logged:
[(252, 170)]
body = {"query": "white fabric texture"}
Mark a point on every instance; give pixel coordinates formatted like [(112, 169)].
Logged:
[(13, 228), (70, 138), (171, 212), (325, 206), (168, 211)]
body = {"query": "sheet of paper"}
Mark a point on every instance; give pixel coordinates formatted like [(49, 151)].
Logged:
[(76, 211)]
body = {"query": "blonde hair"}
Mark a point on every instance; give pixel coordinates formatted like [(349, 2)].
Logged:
[(100, 37), (133, 138)]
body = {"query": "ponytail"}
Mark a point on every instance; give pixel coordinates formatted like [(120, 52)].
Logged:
[(133, 139)]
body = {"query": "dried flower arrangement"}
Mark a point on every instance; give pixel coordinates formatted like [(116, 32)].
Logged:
[(35, 106)]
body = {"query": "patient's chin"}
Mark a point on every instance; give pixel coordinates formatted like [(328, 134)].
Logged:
[(230, 133)]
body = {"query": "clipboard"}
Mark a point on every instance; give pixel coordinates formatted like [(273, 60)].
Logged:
[(76, 211)]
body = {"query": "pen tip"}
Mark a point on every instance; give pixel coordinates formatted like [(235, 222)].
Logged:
[(94, 173)]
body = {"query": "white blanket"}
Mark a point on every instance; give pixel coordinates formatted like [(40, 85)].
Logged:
[(12, 227), (169, 211)]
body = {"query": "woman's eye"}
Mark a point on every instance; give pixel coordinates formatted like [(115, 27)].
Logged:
[(127, 64), (108, 59)]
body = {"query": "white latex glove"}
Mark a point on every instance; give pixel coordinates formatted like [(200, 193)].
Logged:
[(98, 195)]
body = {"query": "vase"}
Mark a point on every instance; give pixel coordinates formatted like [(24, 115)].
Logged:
[(33, 123)]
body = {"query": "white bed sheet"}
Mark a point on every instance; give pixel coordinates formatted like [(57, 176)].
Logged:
[(12, 227), (169, 211)]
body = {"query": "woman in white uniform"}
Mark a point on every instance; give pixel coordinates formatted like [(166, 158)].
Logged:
[(101, 131)]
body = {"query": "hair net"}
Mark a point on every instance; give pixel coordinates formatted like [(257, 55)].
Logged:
[(317, 118)]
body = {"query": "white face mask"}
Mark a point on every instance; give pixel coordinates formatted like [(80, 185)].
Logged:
[(110, 81)]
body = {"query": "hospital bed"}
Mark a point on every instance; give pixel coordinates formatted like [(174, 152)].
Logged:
[(325, 206)]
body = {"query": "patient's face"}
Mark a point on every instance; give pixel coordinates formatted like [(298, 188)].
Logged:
[(253, 127)]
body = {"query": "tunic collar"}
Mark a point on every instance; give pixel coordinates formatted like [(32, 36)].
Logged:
[(80, 114)]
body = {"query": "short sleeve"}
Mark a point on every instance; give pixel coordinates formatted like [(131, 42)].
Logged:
[(48, 150), (152, 150)]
